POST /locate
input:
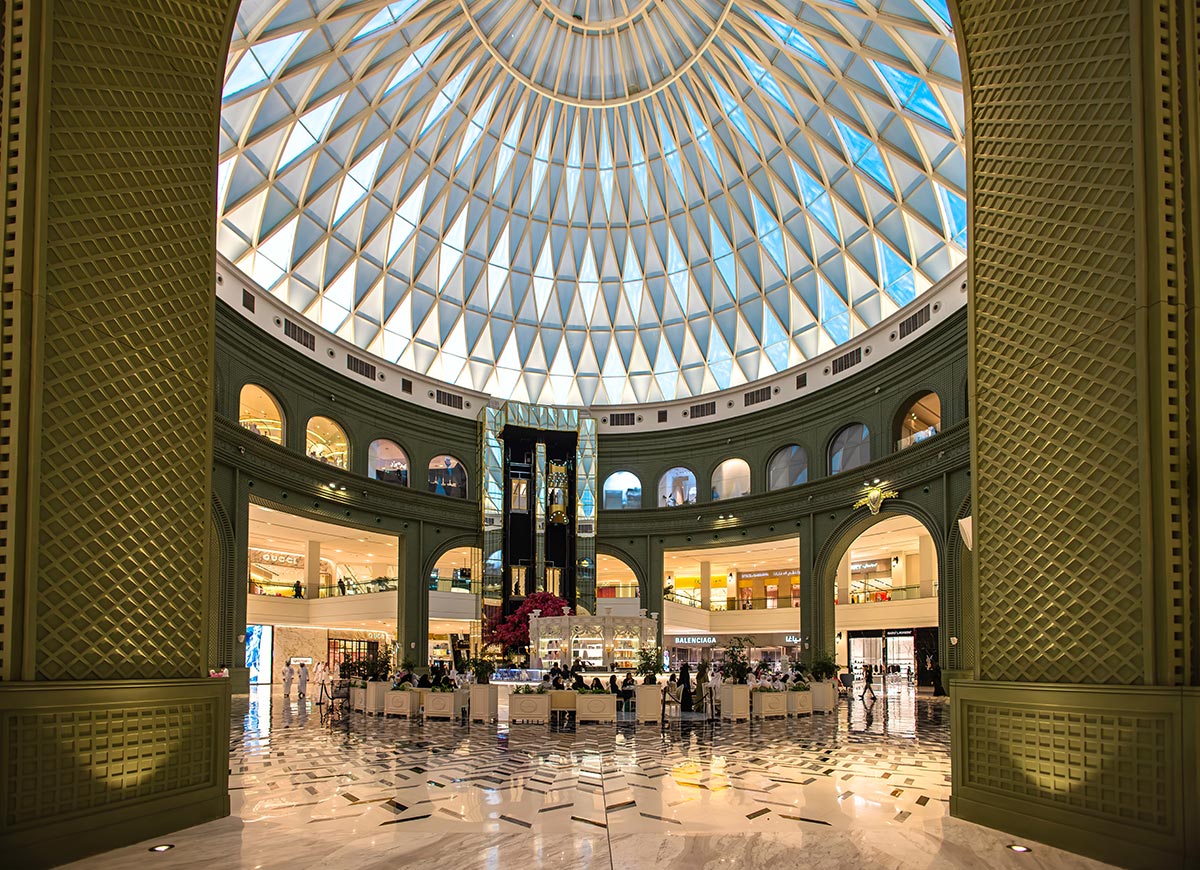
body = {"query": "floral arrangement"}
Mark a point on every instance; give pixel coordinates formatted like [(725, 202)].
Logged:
[(799, 687), (402, 687), (442, 689), (766, 689)]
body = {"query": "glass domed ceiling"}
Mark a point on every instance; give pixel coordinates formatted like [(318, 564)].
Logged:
[(593, 201)]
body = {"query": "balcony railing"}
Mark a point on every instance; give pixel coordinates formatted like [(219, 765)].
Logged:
[(916, 437), (720, 605), (896, 593)]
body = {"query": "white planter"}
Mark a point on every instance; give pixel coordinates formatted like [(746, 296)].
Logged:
[(402, 703), (799, 703), (769, 705), (648, 703), (528, 708), (484, 703), (376, 693), (595, 708), (735, 702), (824, 696), (562, 700), (358, 698), (445, 705)]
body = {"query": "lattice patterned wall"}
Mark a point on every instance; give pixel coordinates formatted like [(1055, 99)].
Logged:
[(1054, 246), (125, 420), (59, 763), (1115, 765)]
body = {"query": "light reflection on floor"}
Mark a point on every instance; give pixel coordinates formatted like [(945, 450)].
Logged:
[(868, 786)]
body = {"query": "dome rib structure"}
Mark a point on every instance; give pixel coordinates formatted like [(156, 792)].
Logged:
[(593, 202)]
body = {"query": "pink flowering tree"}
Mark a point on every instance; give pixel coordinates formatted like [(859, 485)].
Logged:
[(511, 632)]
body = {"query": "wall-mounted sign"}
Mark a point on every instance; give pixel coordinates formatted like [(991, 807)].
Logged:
[(863, 566), (778, 572), (273, 557), (695, 640), (794, 639)]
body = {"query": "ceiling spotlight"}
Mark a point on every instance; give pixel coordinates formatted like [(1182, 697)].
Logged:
[(162, 847), (333, 485), (1017, 847), (877, 480)]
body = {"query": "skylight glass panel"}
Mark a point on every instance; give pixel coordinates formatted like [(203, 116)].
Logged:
[(912, 93), (770, 235), (475, 129), (260, 63), (793, 38), (606, 168), (941, 8), (640, 175), (671, 152), (735, 114), (864, 154), (704, 139), (765, 80), (445, 99), (386, 16), (816, 199), (414, 63), (954, 211), (508, 146), (896, 273), (834, 313)]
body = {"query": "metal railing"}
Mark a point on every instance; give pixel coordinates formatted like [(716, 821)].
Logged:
[(916, 437)]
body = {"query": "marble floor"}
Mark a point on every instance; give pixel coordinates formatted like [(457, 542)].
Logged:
[(867, 787)]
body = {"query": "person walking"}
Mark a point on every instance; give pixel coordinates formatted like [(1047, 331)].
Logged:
[(303, 686), (868, 675), (288, 674), (297, 590), (685, 689), (341, 586)]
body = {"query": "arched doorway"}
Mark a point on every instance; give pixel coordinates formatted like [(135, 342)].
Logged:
[(618, 592)]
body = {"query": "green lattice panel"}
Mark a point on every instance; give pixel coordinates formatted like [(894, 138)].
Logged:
[(1058, 512), (65, 762), (1110, 764), (126, 371)]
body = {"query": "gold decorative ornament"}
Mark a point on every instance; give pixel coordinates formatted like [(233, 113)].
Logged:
[(874, 496)]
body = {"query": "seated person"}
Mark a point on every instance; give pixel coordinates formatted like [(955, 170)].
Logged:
[(650, 680), (578, 683), (557, 683), (596, 684), (424, 682)]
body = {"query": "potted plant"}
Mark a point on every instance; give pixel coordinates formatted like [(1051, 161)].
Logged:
[(769, 703), (596, 705), (647, 699), (799, 699), (444, 702), (824, 693), (735, 694), (485, 698), (402, 701), (529, 704)]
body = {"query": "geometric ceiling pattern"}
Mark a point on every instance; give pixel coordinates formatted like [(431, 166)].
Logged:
[(583, 202)]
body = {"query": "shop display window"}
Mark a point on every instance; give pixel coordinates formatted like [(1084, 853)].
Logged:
[(772, 595), (447, 476), (622, 491), (388, 462), (326, 442), (788, 467), (850, 448), (350, 650), (731, 479), (587, 647), (677, 487), (260, 413)]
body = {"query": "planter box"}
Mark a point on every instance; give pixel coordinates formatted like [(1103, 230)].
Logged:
[(735, 702), (799, 703), (485, 703), (647, 703), (377, 692), (595, 708), (824, 696), (445, 705), (529, 708), (402, 703), (562, 700), (769, 705), (358, 698)]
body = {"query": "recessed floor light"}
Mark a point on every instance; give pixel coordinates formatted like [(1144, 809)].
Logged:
[(1017, 847), (162, 847)]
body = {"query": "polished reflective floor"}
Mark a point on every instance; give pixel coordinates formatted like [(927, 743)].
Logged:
[(868, 787)]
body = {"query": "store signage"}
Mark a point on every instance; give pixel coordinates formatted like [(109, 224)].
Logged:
[(792, 639), (270, 557), (864, 566), (695, 640), (779, 572)]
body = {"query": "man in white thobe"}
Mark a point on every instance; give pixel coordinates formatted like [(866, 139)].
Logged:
[(303, 678), (289, 674)]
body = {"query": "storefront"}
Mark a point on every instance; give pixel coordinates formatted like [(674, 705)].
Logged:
[(771, 648), (600, 642), (907, 654)]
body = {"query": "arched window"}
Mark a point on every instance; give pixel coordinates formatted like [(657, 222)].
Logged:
[(850, 448), (622, 491), (260, 413), (677, 487), (920, 419), (447, 476), (387, 461), (326, 442), (788, 467), (731, 479), (614, 578)]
